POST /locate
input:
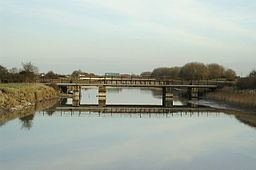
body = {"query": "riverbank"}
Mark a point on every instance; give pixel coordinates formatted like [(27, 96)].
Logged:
[(16, 96), (46, 106), (245, 99)]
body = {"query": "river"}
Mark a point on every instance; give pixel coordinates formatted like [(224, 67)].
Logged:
[(50, 140)]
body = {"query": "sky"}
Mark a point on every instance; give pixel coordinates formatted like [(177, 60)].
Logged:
[(127, 36)]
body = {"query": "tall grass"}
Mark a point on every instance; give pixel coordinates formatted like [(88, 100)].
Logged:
[(15, 94), (241, 98)]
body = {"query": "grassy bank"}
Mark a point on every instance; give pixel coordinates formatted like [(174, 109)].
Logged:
[(44, 105), (239, 98), (15, 96)]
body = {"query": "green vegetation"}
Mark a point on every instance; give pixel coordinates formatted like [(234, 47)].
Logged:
[(19, 95)]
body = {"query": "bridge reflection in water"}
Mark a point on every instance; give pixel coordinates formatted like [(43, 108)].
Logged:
[(135, 113), (132, 109), (149, 111)]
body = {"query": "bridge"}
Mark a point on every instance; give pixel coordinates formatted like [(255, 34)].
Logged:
[(132, 108), (135, 80), (134, 111), (167, 86)]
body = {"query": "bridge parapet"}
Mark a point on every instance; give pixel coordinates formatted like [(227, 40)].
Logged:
[(135, 81)]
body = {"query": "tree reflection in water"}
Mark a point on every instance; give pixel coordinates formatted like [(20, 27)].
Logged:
[(27, 122), (26, 115)]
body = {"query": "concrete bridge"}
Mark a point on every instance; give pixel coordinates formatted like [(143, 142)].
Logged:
[(167, 87)]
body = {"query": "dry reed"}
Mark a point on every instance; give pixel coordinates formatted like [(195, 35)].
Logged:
[(19, 94), (241, 98)]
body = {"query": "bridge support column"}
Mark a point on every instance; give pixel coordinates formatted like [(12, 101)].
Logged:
[(76, 96), (193, 93), (167, 97), (63, 89), (102, 96)]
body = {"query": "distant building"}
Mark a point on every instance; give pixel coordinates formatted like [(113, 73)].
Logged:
[(82, 75), (42, 74)]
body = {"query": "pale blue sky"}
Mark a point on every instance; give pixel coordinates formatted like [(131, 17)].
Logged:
[(127, 36)]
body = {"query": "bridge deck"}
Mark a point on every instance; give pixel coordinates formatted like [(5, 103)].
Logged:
[(138, 85)]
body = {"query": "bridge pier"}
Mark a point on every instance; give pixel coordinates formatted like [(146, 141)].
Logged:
[(76, 96), (102, 95), (167, 97), (193, 93)]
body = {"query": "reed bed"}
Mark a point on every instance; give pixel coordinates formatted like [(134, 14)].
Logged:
[(241, 98)]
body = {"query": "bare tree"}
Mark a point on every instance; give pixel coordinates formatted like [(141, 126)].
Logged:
[(194, 71), (230, 74), (29, 67), (146, 74), (3, 74), (252, 73), (28, 72), (215, 71), (14, 70), (76, 73), (168, 72), (51, 75)]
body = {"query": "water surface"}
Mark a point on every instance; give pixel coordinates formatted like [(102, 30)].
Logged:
[(55, 140)]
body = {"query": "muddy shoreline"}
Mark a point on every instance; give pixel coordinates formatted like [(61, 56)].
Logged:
[(223, 106), (231, 97)]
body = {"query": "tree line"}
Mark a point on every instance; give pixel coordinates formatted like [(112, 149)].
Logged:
[(248, 82), (190, 71), (27, 73), (193, 71)]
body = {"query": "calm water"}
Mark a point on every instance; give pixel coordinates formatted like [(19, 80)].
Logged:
[(127, 141)]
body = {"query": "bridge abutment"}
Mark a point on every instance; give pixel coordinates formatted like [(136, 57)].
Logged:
[(193, 93)]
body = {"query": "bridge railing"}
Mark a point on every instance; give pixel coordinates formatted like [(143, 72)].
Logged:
[(142, 81)]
